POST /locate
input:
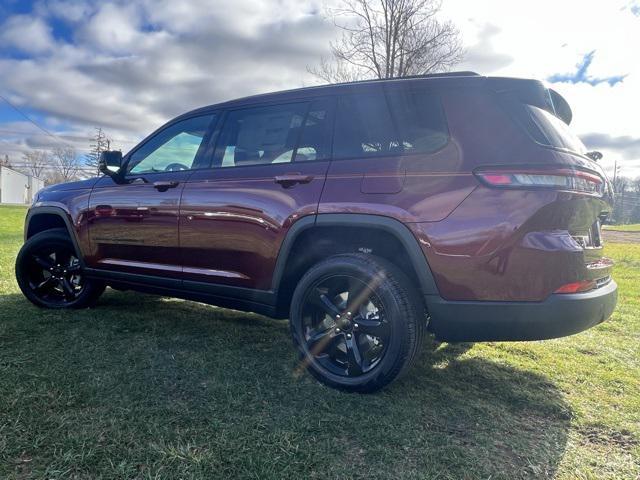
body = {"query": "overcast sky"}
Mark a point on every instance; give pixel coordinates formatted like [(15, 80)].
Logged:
[(130, 66)]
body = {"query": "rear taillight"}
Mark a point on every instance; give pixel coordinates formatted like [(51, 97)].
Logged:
[(556, 179), (577, 287)]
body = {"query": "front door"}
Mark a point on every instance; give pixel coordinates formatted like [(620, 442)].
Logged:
[(133, 227), (268, 171)]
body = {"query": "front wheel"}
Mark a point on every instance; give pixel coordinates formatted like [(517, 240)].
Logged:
[(49, 273), (357, 322)]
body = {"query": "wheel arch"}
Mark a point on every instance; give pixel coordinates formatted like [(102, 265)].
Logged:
[(385, 228), (40, 219)]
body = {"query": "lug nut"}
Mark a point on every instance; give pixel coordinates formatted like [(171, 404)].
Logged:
[(355, 325), (348, 335), (337, 316), (337, 330)]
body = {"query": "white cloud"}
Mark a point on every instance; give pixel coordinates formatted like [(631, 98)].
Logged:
[(548, 37), (27, 33), (129, 66), (127, 77), (68, 10)]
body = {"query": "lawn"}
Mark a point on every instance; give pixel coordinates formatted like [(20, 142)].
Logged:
[(632, 227), (149, 387)]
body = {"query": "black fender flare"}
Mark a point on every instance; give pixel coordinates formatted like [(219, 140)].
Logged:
[(64, 215), (387, 224)]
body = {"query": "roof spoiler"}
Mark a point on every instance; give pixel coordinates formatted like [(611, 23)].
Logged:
[(534, 93)]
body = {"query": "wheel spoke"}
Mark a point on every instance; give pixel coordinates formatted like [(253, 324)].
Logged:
[(44, 262), (354, 357), (323, 302), (321, 340), (69, 292), (46, 283), (73, 268), (376, 328)]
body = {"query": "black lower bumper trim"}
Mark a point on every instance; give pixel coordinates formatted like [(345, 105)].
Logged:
[(557, 316)]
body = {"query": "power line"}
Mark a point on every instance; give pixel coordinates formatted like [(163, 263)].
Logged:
[(33, 121), (75, 137)]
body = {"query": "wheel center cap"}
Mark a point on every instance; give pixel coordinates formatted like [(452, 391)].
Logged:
[(346, 325)]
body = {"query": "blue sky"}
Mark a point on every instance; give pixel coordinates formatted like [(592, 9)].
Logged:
[(582, 74), (128, 66)]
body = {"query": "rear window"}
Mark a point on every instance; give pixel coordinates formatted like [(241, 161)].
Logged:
[(540, 121), (402, 122), (547, 129)]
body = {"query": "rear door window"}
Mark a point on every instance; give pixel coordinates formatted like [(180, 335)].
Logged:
[(260, 135), (315, 140), (404, 121)]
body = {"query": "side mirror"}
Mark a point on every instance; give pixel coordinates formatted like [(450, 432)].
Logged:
[(594, 155), (110, 162)]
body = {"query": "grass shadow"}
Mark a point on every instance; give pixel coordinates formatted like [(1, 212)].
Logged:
[(142, 386)]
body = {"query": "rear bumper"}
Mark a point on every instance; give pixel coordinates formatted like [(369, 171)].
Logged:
[(557, 316)]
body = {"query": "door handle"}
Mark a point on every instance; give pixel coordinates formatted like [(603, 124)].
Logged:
[(104, 210), (163, 186), (290, 179)]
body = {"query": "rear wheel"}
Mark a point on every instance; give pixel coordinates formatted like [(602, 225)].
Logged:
[(49, 273), (357, 322)]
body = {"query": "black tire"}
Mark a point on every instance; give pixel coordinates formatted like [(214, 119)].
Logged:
[(49, 273), (361, 339)]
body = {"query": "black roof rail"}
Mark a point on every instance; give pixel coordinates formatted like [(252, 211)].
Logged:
[(410, 77), (463, 73)]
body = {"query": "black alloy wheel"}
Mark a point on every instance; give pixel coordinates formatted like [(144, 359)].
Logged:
[(357, 322), (54, 275), (344, 325), (49, 272)]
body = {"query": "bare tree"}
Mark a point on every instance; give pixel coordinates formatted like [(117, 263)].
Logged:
[(389, 39), (65, 163), (99, 143), (620, 184), (36, 162)]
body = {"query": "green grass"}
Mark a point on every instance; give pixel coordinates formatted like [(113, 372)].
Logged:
[(147, 387), (632, 227)]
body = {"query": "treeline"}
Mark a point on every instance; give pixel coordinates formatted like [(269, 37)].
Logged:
[(61, 163), (626, 208)]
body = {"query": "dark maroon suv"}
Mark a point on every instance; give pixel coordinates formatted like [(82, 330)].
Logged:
[(367, 213)]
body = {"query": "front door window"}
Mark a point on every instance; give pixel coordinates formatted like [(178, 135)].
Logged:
[(173, 149)]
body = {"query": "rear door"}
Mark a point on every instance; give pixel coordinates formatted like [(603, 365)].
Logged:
[(133, 227), (268, 171)]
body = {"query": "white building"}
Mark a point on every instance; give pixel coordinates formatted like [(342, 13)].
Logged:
[(16, 187)]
